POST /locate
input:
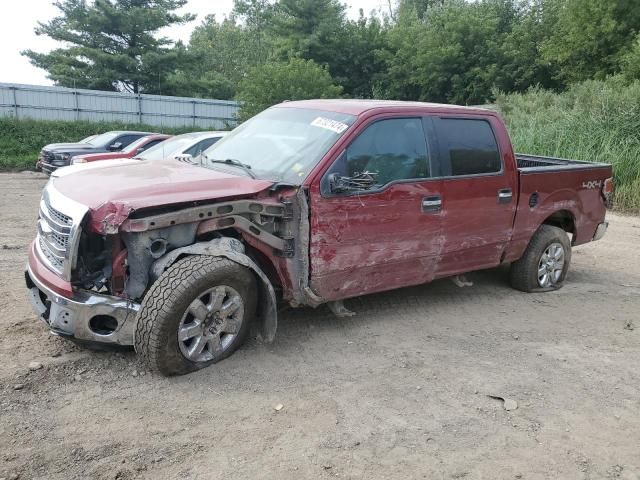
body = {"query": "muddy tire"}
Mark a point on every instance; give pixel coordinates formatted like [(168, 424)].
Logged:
[(543, 266), (197, 313)]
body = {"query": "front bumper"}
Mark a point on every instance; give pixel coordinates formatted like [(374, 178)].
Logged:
[(600, 231), (83, 314), (48, 168)]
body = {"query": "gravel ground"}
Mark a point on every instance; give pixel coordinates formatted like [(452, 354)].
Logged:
[(402, 390)]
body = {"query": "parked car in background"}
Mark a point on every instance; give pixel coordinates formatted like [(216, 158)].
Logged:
[(186, 147), (135, 148), (56, 155)]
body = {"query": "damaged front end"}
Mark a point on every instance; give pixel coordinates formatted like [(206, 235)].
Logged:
[(115, 254)]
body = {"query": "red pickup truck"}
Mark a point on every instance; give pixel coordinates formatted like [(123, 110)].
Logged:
[(307, 203)]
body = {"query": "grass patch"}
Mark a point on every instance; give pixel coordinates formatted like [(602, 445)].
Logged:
[(595, 121), (22, 140)]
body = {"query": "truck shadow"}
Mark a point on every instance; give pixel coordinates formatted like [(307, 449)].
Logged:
[(382, 306)]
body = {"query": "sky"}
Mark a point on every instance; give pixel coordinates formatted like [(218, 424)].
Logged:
[(19, 17)]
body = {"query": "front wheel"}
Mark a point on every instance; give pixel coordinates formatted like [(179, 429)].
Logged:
[(545, 262), (197, 313)]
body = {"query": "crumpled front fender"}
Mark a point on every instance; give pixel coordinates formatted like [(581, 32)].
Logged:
[(233, 250), (107, 218)]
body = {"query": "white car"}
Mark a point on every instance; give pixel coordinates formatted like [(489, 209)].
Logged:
[(185, 147)]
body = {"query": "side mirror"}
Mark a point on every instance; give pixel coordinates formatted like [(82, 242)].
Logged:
[(336, 183), (140, 150), (115, 147), (357, 183)]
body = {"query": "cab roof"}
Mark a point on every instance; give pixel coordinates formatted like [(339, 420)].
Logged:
[(358, 107)]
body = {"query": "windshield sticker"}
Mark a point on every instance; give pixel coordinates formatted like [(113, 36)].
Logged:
[(329, 124)]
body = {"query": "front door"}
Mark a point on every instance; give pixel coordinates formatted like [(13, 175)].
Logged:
[(376, 217)]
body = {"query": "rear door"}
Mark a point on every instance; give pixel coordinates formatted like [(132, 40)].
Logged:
[(478, 192), (385, 236)]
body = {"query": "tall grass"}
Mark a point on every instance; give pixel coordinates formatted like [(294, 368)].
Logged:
[(22, 140), (595, 121)]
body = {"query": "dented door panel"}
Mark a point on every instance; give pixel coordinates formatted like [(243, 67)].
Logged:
[(379, 241)]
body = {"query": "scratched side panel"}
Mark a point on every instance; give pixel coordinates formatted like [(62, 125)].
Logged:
[(363, 244), (477, 227), (560, 190)]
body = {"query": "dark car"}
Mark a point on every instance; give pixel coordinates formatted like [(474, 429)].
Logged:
[(133, 150), (56, 155)]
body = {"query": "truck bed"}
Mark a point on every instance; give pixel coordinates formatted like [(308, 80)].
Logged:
[(548, 185), (534, 163)]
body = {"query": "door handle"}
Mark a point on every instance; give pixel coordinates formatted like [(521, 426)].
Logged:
[(505, 195), (431, 204)]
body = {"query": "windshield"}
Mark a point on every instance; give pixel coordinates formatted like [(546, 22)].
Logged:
[(88, 139), (280, 144), (168, 148), (104, 139)]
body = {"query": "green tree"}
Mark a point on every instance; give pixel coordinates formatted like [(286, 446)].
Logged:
[(521, 63), (272, 83), (452, 55), (218, 57), (309, 29), (113, 44), (418, 7), (631, 61), (256, 14), (207, 84), (318, 30), (590, 37), (356, 64)]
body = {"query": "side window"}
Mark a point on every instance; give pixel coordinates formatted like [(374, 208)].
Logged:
[(125, 140), (201, 146), (388, 150), (468, 146), (152, 143)]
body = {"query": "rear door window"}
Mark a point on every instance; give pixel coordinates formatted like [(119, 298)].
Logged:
[(467, 146), (125, 140), (152, 143)]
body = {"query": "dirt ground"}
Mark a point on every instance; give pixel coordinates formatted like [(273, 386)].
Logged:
[(399, 391)]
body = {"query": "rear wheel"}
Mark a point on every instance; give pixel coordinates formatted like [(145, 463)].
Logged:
[(545, 262), (197, 313)]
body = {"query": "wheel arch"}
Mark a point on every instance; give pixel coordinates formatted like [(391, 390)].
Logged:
[(233, 250), (563, 219)]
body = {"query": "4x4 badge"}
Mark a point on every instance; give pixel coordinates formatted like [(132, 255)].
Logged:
[(591, 184)]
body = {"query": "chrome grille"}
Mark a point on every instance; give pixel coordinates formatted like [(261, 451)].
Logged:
[(46, 155), (56, 262), (59, 216), (58, 232), (53, 239), (61, 241)]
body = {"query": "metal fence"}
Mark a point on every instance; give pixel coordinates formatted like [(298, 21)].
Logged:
[(68, 104)]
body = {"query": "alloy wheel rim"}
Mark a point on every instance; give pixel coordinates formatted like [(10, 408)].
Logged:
[(211, 323), (551, 265)]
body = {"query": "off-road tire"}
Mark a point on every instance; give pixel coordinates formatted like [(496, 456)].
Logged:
[(158, 320), (524, 272)]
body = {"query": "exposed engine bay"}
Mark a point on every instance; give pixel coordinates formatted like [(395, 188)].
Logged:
[(103, 260)]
